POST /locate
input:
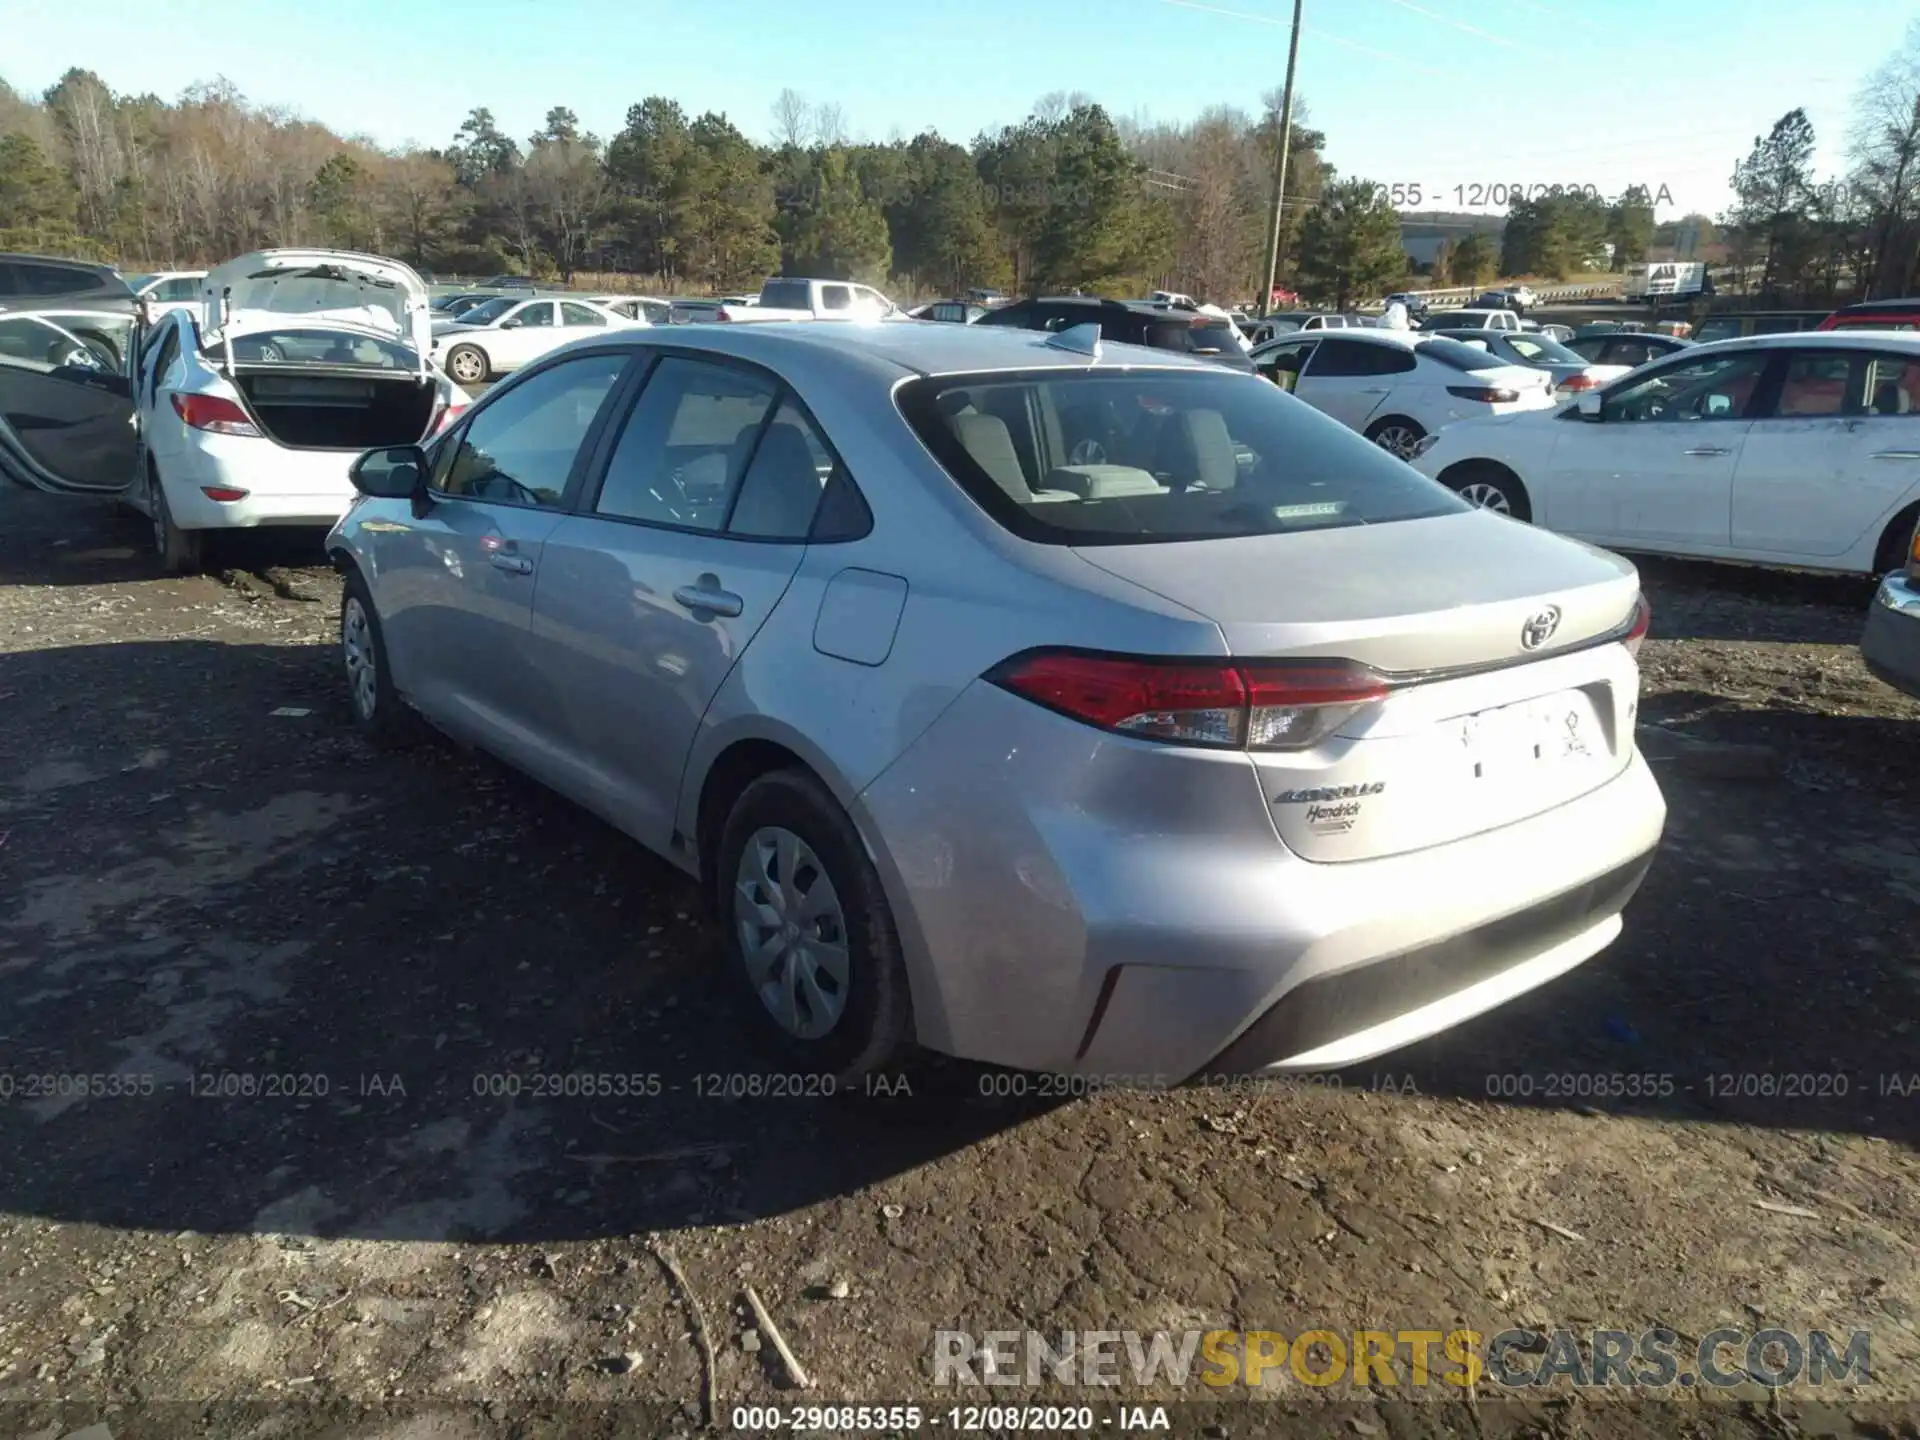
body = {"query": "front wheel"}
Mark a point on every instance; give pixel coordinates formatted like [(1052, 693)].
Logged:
[(378, 711), (810, 939), (1397, 435), (468, 364)]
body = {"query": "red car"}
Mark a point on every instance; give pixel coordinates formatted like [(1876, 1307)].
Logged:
[(1875, 315)]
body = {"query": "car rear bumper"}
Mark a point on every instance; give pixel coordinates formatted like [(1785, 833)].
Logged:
[(1891, 642), (1070, 901), (283, 486)]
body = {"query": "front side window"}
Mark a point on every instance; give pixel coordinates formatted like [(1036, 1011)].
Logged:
[(1340, 359), (181, 287), (835, 297), (1717, 387), (1083, 457), (538, 313), (685, 445), (485, 312), (520, 449)]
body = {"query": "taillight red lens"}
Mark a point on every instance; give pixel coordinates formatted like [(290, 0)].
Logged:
[(226, 494), (1913, 557), (1257, 704), (1579, 382), (213, 413), (1642, 622)]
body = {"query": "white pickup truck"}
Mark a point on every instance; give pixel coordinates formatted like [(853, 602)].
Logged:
[(784, 299)]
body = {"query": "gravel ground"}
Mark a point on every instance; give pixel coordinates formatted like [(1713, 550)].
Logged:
[(313, 973)]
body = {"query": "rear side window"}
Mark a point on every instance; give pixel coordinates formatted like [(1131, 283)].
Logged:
[(1893, 385), (575, 314), (520, 449), (785, 295), (1086, 458), (1460, 355)]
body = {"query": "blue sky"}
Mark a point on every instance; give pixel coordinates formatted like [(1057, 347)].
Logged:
[(1434, 93)]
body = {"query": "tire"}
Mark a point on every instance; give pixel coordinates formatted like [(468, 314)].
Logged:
[(180, 552), (468, 364), (1891, 553), (378, 711), (1397, 435), (1490, 488), (847, 1026)]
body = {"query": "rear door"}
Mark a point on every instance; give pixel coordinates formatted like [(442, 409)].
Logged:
[(66, 400), (681, 548), (1837, 451), (456, 586)]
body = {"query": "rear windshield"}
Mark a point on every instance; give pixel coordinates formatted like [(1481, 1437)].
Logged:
[(318, 347), (1084, 458), (786, 295), (1460, 355)]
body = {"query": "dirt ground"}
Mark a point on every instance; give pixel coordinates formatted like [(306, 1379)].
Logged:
[(318, 1160)]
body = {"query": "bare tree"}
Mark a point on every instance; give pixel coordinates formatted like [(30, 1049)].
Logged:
[(1884, 145), (829, 124), (792, 120)]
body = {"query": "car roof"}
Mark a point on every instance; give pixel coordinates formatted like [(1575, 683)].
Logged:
[(1818, 339), (890, 350), (1136, 307), (1906, 306)]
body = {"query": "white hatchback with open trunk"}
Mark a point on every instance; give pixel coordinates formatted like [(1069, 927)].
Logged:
[(243, 411)]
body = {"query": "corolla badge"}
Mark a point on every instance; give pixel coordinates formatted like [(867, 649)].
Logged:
[(1540, 627)]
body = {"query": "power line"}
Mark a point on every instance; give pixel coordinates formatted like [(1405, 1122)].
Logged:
[(1309, 30), (1440, 19)]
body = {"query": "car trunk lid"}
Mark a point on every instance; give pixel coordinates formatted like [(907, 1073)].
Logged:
[(1505, 697), (320, 285)]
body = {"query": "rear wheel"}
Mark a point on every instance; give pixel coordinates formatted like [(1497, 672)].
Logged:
[(810, 939), (468, 364), (1397, 435), (1891, 554), (1491, 488), (180, 551)]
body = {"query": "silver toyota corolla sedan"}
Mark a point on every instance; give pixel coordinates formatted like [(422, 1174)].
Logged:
[(1072, 708)]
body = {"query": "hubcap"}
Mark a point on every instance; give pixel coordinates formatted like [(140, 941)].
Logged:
[(1487, 497), (1397, 440), (793, 933), (466, 366), (356, 645)]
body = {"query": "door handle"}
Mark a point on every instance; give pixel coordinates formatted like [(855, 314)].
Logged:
[(1896, 454), (1708, 450), (512, 564), (1377, 390), (707, 595)]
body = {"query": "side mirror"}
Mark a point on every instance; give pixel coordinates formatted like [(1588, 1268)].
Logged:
[(393, 472), (1589, 405)]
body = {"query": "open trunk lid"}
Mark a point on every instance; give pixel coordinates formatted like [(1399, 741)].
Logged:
[(319, 285), (1502, 698)]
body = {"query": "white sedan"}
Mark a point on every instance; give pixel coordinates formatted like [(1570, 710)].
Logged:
[(1796, 449), (506, 333), (1397, 387)]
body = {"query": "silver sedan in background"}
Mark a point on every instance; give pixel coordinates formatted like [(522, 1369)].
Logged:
[(1065, 706)]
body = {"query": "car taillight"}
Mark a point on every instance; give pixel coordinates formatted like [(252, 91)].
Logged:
[(1579, 382), (213, 413), (1484, 394), (1642, 622), (225, 494), (1913, 558), (1249, 704), (447, 416), (721, 314)]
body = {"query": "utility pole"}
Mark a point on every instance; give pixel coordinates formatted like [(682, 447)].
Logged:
[(1280, 164)]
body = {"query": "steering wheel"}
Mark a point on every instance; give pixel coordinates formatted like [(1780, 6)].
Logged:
[(79, 357), (270, 353), (494, 482), (1087, 452)]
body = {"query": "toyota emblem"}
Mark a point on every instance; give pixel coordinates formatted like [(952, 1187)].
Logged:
[(1540, 627)]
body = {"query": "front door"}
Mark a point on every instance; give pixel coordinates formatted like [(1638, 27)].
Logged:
[(651, 593), (1657, 467), (66, 400), (1837, 450), (524, 335), (456, 586)]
